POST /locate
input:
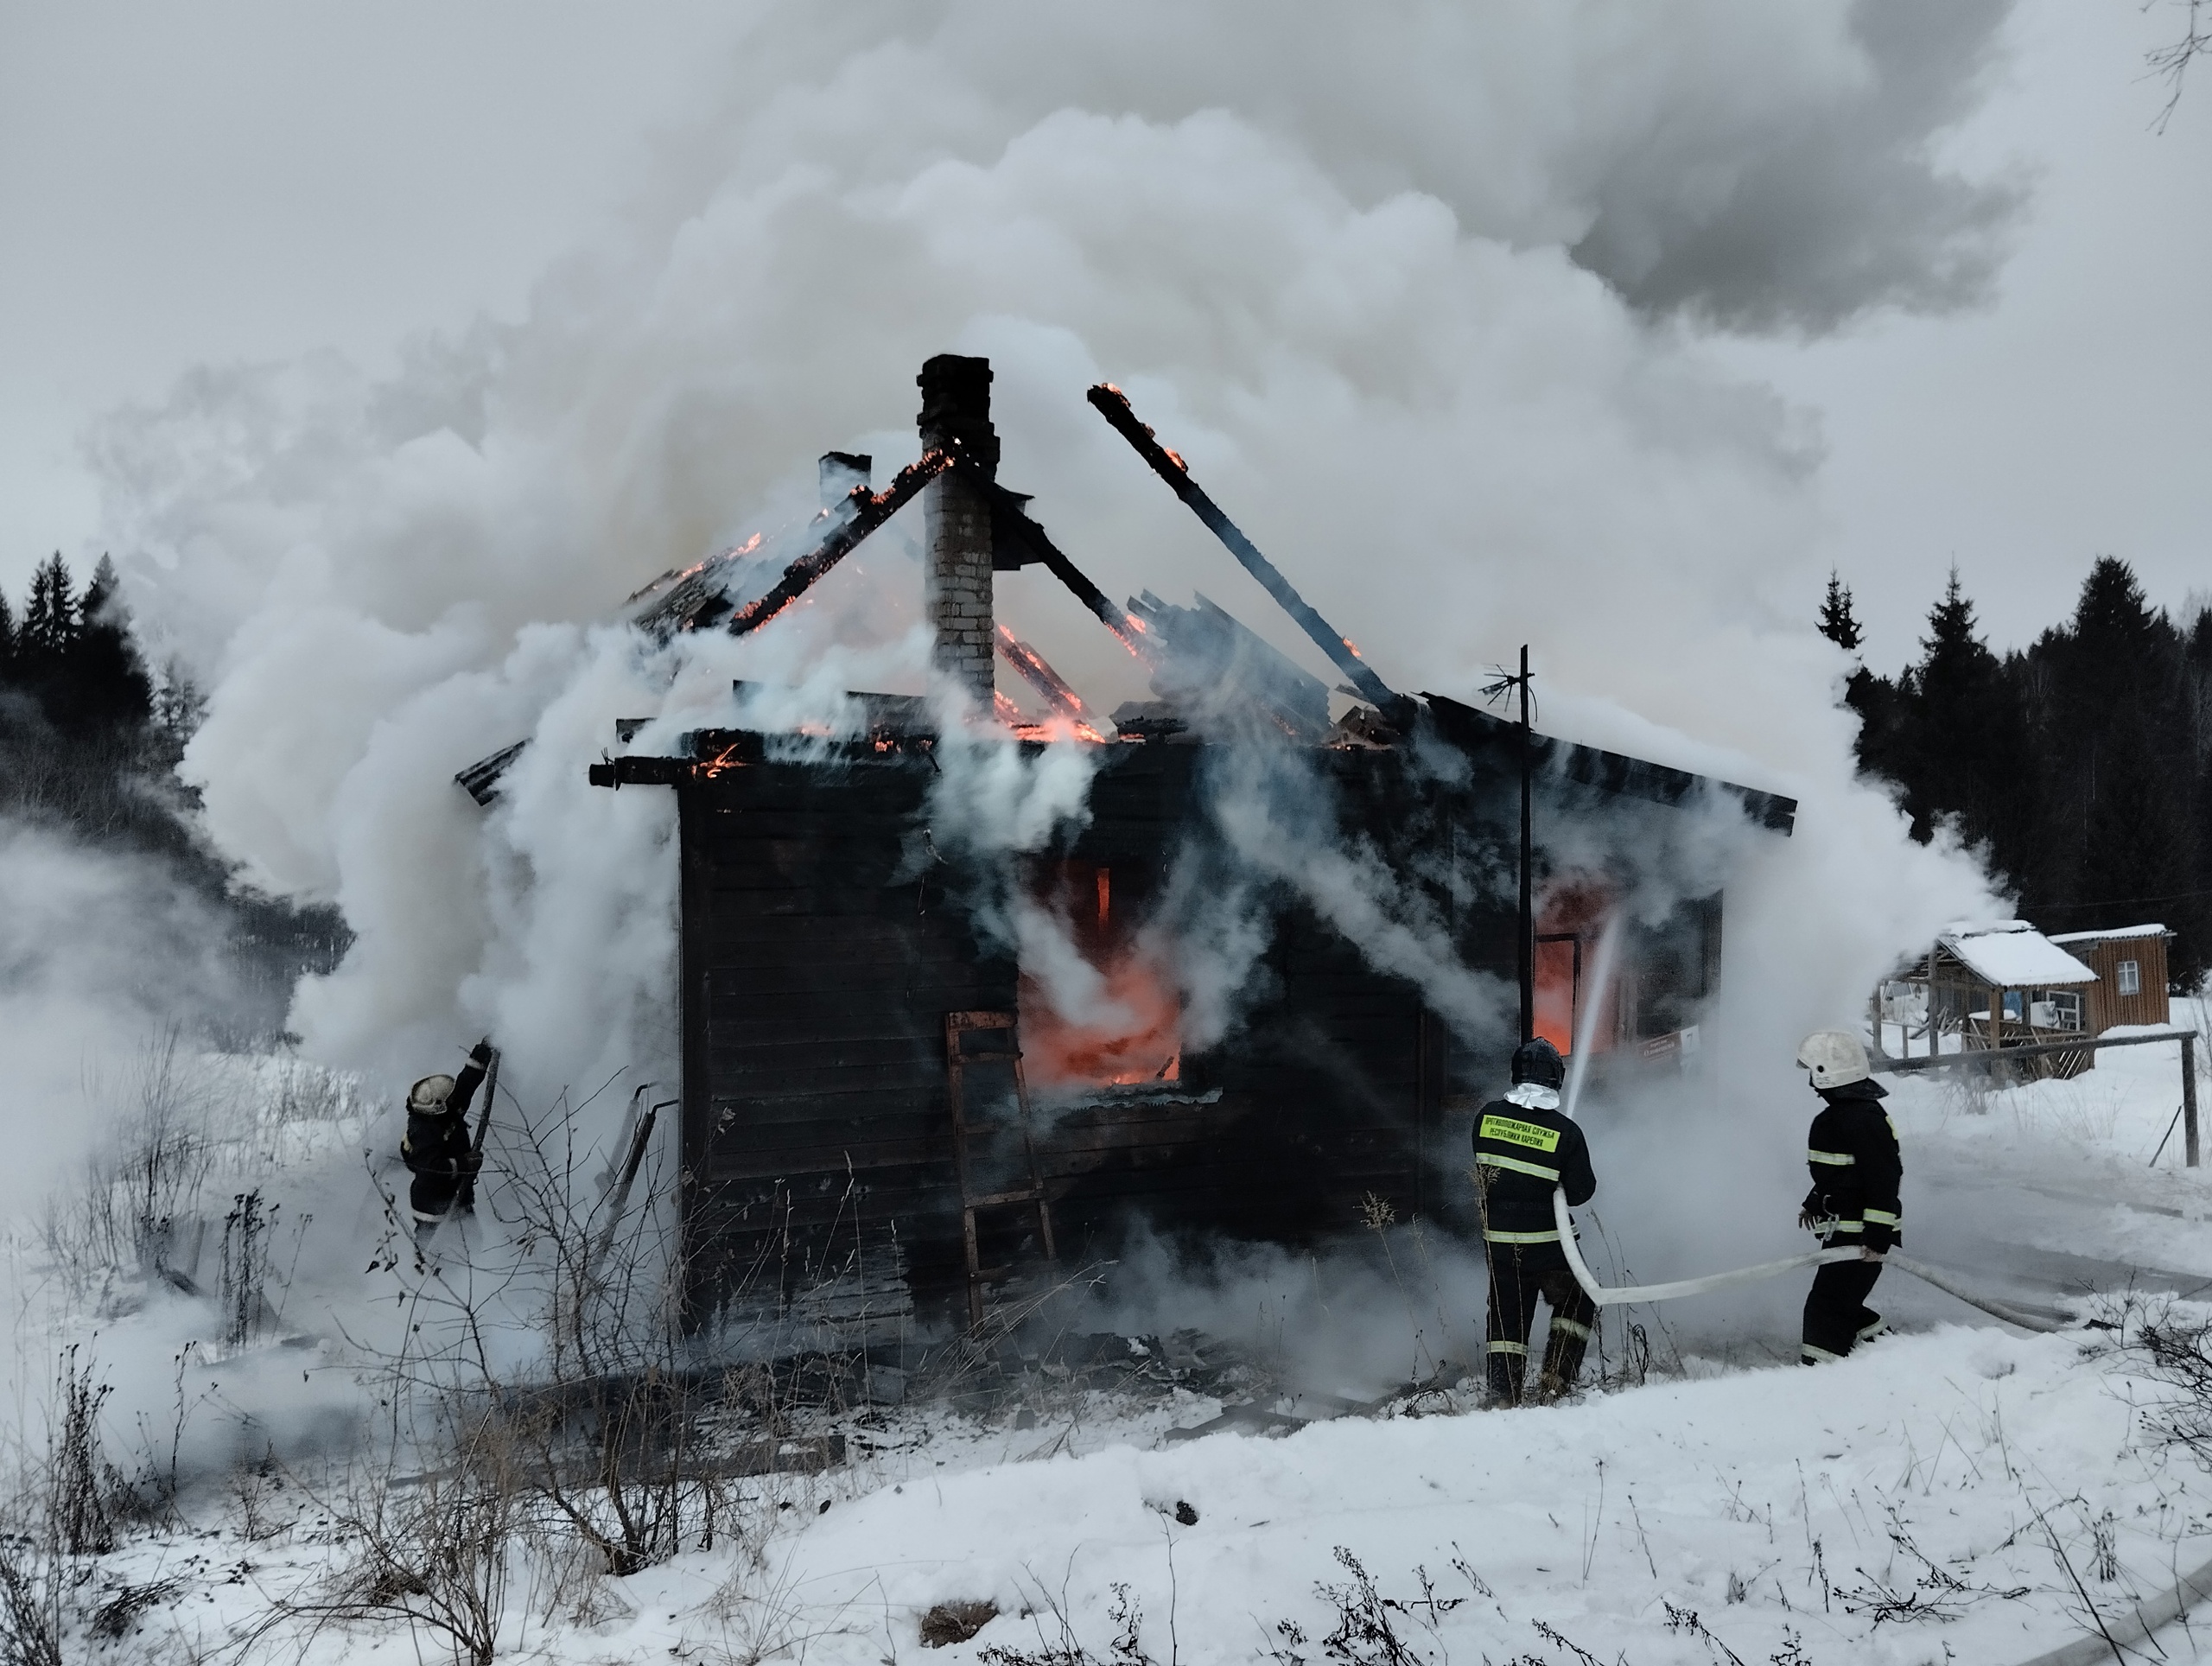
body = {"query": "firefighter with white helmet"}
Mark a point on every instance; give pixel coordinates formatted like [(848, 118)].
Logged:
[(437, 1147), (1525, 1147), (1857, 1169)]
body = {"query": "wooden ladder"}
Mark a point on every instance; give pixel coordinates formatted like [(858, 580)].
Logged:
[(958, 1055)]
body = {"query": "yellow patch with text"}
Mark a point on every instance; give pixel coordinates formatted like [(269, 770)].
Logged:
[(1511, 1130)]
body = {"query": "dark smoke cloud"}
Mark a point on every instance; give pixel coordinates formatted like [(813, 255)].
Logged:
[(1808, 224), (1762, 168)]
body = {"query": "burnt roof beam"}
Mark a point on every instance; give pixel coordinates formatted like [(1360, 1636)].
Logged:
[(1114, 405), (860, 514), (1034, 669), (1016, 535), (845, 522)]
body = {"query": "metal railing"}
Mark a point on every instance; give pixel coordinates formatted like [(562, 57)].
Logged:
[(1987, 1056)]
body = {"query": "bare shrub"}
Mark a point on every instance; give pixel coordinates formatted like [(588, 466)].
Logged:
[(434, 1552), (30, 1602), (611, 1430), (81, 1487), (601, 1430), (1066, 1649), (242, 1297), (757, 1612), (2178, 1355), (139, 1208), (117, 1618), (64, 1511)]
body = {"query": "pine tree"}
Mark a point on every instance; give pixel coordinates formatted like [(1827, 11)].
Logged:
[(1838, 623), (105, 592), (6, 642), (2084, 763), (2116, 636), (50, 618), (179, 706), (101, 682), (2122, 765), (1962, 750)]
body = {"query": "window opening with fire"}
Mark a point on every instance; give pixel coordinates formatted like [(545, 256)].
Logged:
[(1099, 1004), (1573, 918)]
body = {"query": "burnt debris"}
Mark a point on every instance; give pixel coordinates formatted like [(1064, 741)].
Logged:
[(1114, 405)]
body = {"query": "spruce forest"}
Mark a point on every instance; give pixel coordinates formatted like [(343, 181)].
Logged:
[(90, 741), (2081, 766)]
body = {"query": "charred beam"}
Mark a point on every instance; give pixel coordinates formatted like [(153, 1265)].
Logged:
[(1032, 668), (694, 598), (1020, 540), (641, 771), (1114, 405), (481, 778), (860, 514)]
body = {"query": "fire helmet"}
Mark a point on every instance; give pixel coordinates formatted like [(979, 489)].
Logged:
[(430, 1095), (1836, 1057), (1538, 1061)]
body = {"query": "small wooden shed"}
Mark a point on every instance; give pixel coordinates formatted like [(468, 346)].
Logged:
[(2130, 962), (2005, 984)]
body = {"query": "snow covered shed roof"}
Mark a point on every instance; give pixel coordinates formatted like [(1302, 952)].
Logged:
[(2013, 955), (2114, 934)]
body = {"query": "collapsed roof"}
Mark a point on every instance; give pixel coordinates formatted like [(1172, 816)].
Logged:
[(1212, 676)]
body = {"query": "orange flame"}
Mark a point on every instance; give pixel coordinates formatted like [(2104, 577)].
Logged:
[(1060, 1054), (1571, 920)]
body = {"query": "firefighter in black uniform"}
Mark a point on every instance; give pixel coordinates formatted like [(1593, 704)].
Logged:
[(437, 1147), (1852, 1152), (1523, 1148)]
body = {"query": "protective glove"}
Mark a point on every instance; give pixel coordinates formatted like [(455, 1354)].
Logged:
[(470, 1163), (1807, 1222), (480, 1054)]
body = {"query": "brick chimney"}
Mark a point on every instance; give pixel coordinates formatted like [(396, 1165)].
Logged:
[(957, 522)]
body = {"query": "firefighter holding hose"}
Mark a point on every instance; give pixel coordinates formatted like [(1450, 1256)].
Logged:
[(1856, 1170), (1524, 1148), (437, 1148)]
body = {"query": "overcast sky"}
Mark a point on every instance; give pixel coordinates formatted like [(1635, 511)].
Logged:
[(239, 180)]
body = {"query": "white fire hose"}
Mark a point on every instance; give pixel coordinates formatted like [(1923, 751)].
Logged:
[(1615, 1297), (1578, 1063)]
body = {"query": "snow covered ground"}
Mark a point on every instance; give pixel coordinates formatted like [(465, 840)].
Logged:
[(1959, 1491)]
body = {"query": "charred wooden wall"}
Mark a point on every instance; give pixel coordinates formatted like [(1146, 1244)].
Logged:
[(825, 937), (819, 959), (823, 941)]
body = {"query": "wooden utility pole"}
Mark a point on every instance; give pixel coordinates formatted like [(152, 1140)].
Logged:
[(1528, 922), (2189, 1099)]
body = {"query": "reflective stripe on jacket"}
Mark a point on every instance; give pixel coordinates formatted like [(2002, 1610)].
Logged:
[(1522, 1153), (1856, 1166)]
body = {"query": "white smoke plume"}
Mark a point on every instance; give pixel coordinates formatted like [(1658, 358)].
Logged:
[(1281, 823), (98, 950), (1418, 289)]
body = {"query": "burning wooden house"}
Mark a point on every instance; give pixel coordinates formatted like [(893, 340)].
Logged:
[(879, 1104)]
